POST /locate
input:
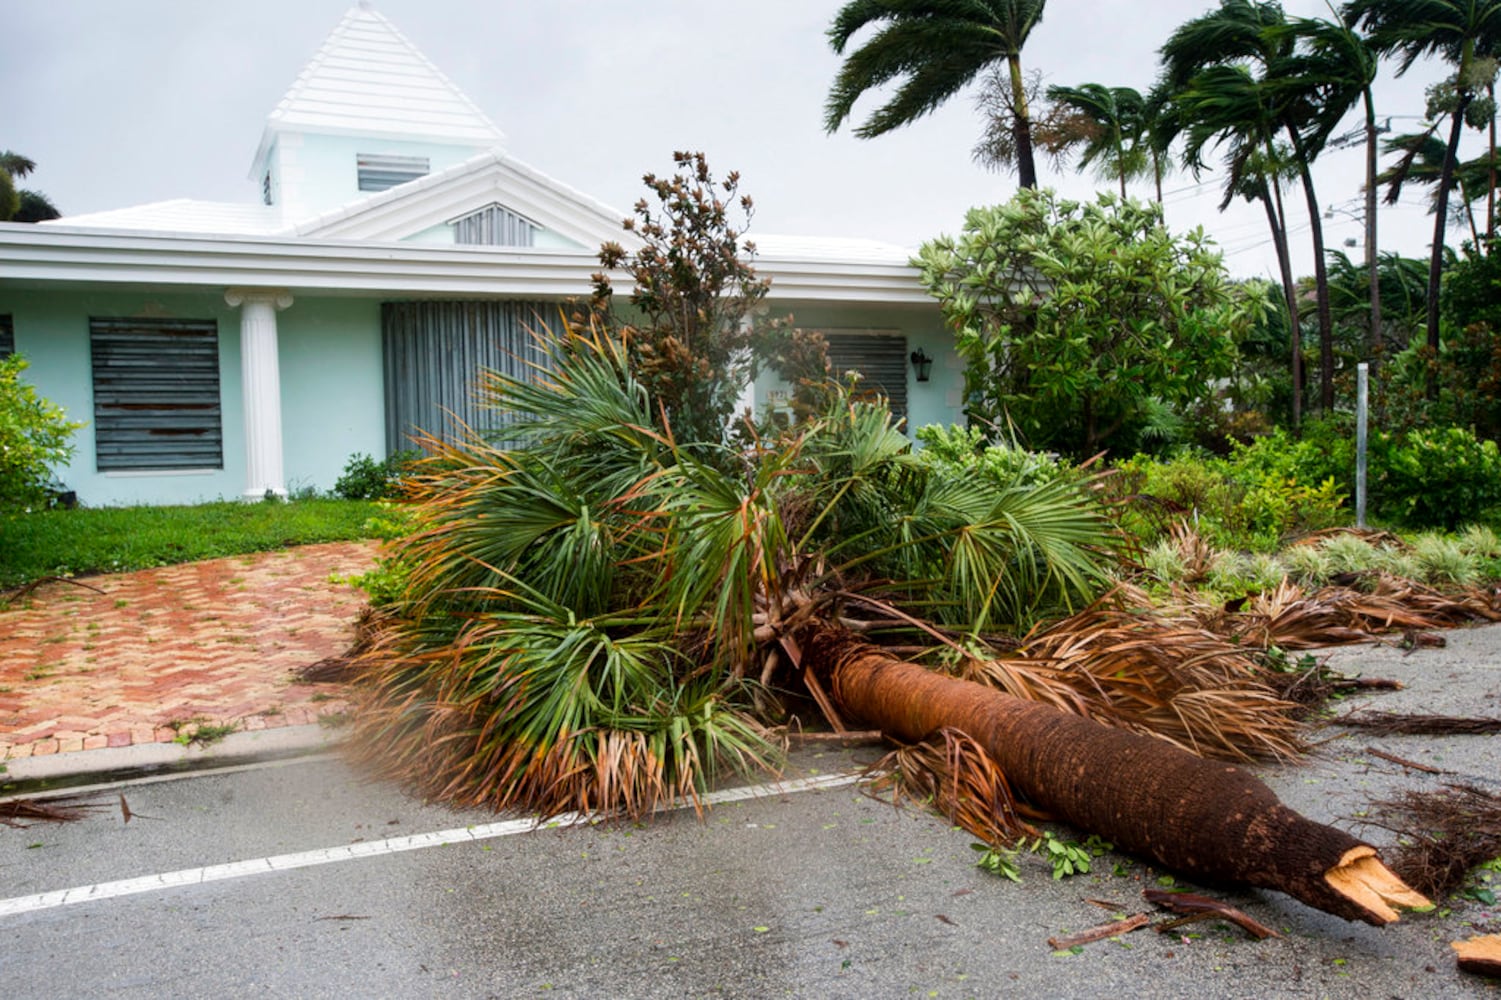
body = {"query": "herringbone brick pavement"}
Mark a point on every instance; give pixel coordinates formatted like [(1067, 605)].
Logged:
[(138, 655)]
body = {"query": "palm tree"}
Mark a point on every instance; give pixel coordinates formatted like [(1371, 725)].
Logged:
[(1421, 160), (20, 205), (1226, 106), (1254, 33), (935, 48), (1110, 126), (1343, 66), (1466, 34)]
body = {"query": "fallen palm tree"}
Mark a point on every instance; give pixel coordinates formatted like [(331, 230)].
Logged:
[(598, 619), (1202, 818)]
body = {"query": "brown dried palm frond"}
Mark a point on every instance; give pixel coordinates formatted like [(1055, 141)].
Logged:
[(17, 812), (961, 780), (1416, 724), (1159, 676), (1444, 834)]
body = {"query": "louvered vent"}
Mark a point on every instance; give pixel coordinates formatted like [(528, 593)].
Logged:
[(379, 171), (495, 226)]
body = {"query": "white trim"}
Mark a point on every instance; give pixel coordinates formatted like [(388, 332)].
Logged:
[(42, 256)]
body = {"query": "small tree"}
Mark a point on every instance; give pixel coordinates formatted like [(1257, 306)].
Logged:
[(34, 436), (1077, 322), (689, 338)]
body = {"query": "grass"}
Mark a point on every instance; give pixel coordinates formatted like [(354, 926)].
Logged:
[(119, 539)]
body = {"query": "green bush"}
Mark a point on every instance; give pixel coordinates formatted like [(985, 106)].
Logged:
[(1440, 478), (965, 451), (365, 478), (34, 436)]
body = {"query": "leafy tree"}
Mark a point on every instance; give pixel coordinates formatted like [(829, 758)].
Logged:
[(935, 48), (1467, 35), (689, 335), (1076, 320), (18, 204), (34, 437)]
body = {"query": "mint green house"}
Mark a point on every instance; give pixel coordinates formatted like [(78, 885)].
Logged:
[(234, 350)]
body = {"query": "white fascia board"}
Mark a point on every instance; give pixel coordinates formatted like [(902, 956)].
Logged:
[(36, 256)]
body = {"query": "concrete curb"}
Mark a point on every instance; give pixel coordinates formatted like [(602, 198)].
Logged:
[(53, 772)]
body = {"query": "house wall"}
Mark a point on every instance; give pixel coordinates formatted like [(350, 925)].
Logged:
[(330, 361), (316, 173), (937, 401)]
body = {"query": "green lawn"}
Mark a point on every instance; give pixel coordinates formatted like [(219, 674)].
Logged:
[(116, 539)]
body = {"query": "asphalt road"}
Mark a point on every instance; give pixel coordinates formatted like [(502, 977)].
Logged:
[(822, 893)]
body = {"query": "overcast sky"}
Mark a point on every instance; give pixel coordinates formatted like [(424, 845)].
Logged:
[(122, 102)]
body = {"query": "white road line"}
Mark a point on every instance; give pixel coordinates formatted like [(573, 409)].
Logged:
[(370, 849)]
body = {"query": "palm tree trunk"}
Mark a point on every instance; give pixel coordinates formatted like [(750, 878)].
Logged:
[(1274, 218), (1373, 343), (1441, 220), (1021, 125), (1490, 191), (1202, 818), (1320, 276)]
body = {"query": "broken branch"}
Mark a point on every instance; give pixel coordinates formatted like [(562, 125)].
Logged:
[(1204, 908), (1100, 933)]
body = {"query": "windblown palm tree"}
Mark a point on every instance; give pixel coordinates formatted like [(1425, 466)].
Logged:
[(17, 204), (601, 618), (1256, 34), (1465, 33), (935, 48), (1111, 129)]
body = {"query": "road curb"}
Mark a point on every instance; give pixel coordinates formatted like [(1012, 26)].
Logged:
[(55, 772)]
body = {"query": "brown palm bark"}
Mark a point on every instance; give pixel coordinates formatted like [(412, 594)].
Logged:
[(1207, 819)]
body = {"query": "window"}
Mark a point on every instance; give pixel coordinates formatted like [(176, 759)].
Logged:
[(881, 360), (7, 336), (495, 226), (156, 394), (378, 171), (266, 189)]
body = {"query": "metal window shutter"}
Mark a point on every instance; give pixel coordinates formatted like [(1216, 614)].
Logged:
[(377, 172), (881, 360), (434, 353), (156, 394)]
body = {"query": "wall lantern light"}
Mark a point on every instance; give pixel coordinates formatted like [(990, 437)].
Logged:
[(922, 364)]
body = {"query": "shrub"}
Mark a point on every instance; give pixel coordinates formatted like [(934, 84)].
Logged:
[(34, 437), (364, 478), (1439, 478), (966, 451)]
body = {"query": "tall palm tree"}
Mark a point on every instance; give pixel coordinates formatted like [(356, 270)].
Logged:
[(1342, 65), (1227, 106), (1110, 128), (1421, 160), (1257, 34), (1462, 32), (935, 48)]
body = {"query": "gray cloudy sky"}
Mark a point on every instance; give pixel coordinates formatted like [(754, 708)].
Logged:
[(128, 101)]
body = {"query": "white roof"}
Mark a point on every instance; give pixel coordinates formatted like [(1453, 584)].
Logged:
[(183, 215), (368, 79), (811, 249)]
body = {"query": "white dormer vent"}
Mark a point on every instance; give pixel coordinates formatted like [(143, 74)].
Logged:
[(495, 226), (379, 171)]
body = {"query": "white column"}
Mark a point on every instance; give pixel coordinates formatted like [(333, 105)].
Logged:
[(260, 381)]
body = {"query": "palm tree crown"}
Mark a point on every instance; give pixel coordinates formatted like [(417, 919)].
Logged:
[(935, 48)]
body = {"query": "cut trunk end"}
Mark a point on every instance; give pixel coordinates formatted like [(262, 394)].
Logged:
[(1361, 878)]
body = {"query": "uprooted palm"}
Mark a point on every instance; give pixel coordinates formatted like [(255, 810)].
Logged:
[(598, 617)]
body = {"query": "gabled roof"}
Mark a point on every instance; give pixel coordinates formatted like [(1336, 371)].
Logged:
[(367, 79), (486, 179)]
